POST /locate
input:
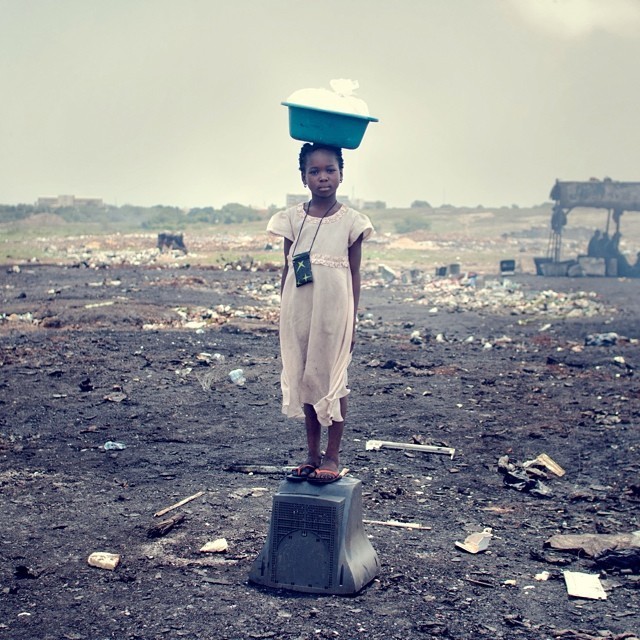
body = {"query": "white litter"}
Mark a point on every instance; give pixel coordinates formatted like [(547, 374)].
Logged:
[(476, 542), (584, 585)]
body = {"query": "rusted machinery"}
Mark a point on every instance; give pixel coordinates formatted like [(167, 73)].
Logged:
[(615, 197)]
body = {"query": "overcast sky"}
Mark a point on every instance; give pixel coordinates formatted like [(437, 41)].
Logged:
[(177, 102)]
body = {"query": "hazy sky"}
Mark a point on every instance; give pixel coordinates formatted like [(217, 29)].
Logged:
[(177, 102)]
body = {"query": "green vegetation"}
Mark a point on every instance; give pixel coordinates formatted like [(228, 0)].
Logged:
[(420, 235), (406, 224), (128, 218)]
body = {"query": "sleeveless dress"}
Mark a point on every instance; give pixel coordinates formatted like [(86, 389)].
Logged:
[(316, 319)]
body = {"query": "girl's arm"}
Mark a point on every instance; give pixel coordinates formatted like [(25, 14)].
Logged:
[(285, 269), (355, 258)]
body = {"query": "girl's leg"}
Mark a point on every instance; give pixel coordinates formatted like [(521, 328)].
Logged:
[(314, 454), (331, 459)]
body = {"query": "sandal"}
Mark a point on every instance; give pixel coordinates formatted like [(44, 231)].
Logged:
[(300, 473), (324, 476)]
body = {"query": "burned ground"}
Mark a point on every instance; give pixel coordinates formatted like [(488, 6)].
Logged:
[(128, 354)]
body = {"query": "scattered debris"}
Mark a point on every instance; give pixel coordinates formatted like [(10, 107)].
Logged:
[(178, 504), (163, 527), (171, 242), (623, 560), (104, 560), (248, 492), (116, 396), (387, 274), (584, 585), (602, 634), (237, 377), (265, 469), (481, 583), (476, 542), (376, 445), (215, 546), (396, 523), (524, 478), (601, 339), (210, 358), (544, 460), (594, 544), (110, 445), (507, 297)]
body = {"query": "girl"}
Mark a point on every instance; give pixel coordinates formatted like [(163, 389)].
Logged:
[(320, 289)]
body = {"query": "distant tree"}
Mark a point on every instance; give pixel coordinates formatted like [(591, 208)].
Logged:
[(406, 225), (162, 217), (376, 204), (420, 204), (13, 212), (202, 214), (234, 212)]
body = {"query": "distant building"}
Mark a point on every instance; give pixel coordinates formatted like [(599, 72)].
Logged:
[(59, 202)]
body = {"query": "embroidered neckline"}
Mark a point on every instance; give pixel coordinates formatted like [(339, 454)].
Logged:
[(334, 217)]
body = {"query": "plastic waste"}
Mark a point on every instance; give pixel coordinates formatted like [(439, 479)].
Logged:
[(601, 339), (237, 377), (114, 446), (340, 98), (476, 542)]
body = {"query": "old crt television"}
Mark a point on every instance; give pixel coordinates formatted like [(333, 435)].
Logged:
[(316, 541)]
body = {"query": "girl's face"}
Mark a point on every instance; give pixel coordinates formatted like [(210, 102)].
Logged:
[(322, 174)]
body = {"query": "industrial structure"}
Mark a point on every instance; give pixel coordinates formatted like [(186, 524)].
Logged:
[(614, 197)]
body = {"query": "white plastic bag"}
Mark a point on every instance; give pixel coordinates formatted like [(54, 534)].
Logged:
[(341, 98)]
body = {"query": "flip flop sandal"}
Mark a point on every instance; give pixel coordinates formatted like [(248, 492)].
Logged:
[(324, 476), (301, 473)]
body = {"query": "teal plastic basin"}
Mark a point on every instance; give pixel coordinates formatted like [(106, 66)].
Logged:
[(343, 130)]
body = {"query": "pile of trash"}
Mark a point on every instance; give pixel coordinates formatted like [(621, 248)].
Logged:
[(528, 476), (200, 318), (505, 297)]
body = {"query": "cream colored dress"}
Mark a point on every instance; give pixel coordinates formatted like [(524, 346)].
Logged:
[(316, 319)]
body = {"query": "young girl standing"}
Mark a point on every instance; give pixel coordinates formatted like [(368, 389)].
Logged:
[(320, 290)]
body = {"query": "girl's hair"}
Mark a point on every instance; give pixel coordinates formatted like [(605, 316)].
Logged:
[(308, 149)]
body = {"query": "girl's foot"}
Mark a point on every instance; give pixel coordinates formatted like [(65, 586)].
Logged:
[(301, 473), (324, 476), (327, 472)]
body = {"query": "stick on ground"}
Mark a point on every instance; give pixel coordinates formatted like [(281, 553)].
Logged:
[(178, 504), (395, 523), (163, 527)]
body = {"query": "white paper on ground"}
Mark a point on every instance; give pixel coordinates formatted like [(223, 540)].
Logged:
[(584, 585)]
